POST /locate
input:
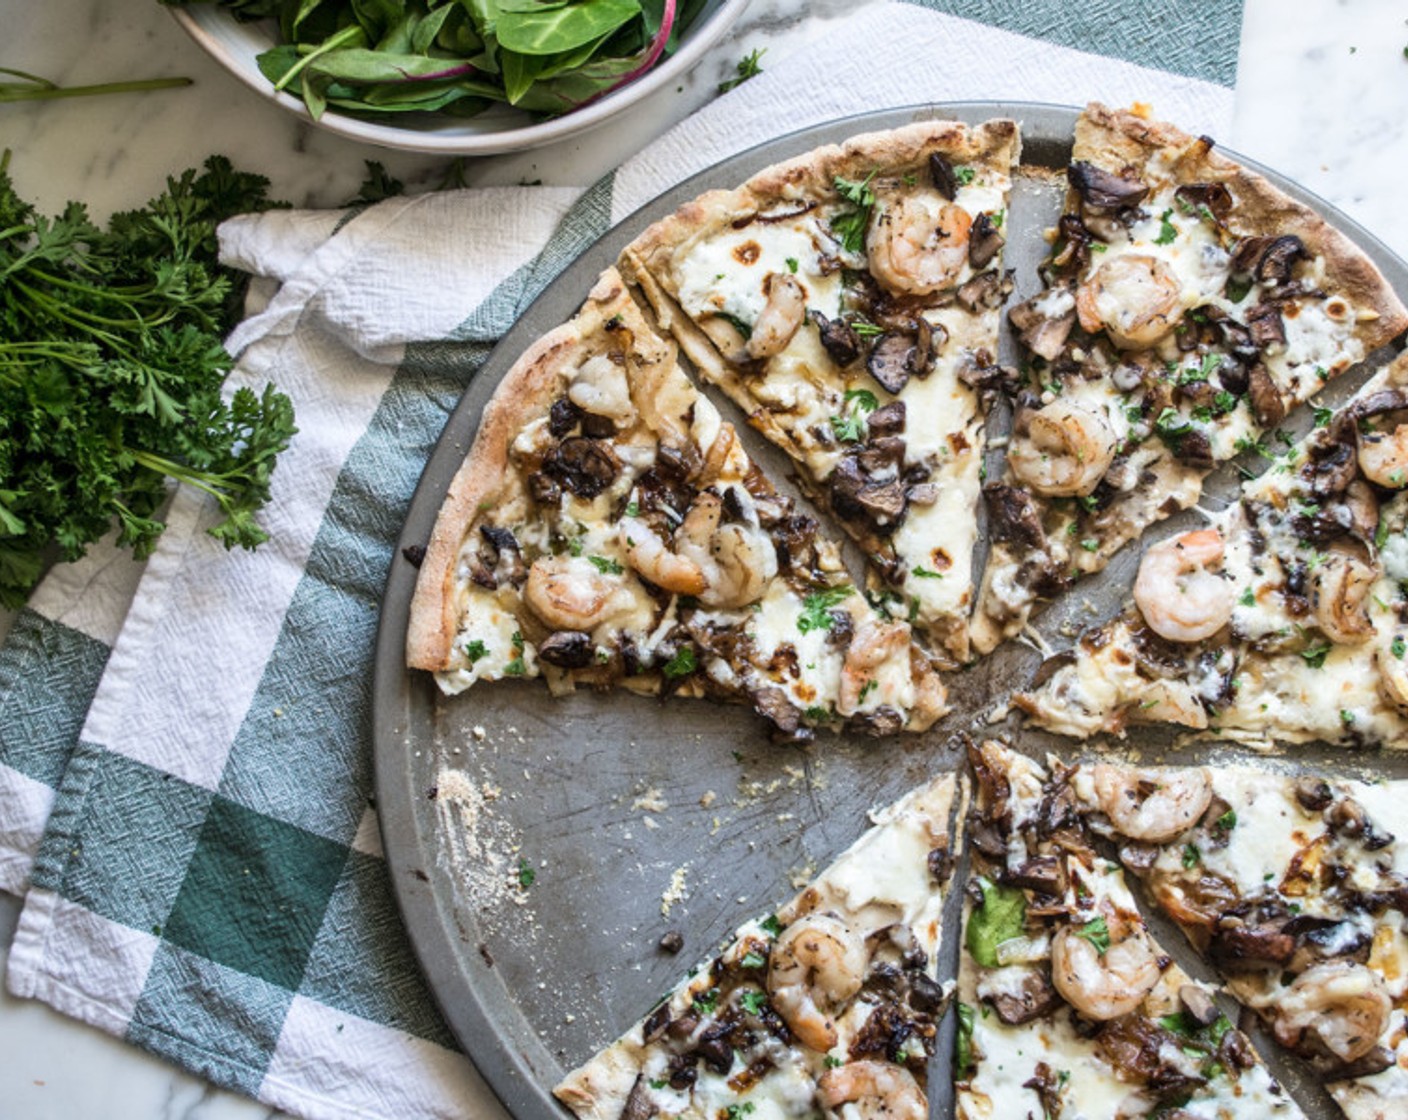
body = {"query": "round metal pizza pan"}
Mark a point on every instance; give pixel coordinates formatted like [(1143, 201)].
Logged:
[(633, 816)]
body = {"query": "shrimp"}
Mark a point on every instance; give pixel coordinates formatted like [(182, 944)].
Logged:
[(1062, 450), (567, 593), (873, 645), (1393, 679), (1152, 805), (1383, 456), (1180, 595), (724, 566), (816, 966), (1104, 986), (912, 250), (1133, 298), (1339, 597), (1338, 1006), (784, 312), (869, 1090)]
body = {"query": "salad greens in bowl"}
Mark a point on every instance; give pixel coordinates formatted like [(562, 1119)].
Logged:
[(465, 77)]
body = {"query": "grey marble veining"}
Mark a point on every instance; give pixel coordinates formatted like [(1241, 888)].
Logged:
[(1321, 96)]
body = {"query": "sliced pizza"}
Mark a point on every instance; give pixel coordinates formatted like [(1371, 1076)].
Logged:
[(1296, 888), (829, 1005), (1188, 305), (1067, 1004), (607, 528), (1285, 619), (849, 302)]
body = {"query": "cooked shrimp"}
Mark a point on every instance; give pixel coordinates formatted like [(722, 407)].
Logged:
[(816, 966), (914, 251), (1383, 456), (1062, 450), (1393, 679), (874, 644), (784, 312), (1152, 805), (649, 555), (1134, 299), (568, 593), (868, 1090), (600, 388), (1339, 596), (1104, 986), (1179, 593), (1340, 1005)]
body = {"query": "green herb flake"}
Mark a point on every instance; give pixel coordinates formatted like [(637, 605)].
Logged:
[(1323, 416), (705, 1002), (964, 176), (738, 1111), (1168, 232), (753, 1001), (633, 508), (1346, 716), (771, 925), (832, 1062), (963, 1042), (866, 689), (1001, 917), (817, 606), (1097, 932), (1397, 647), (753, 959), (748, 67), (850, 225), (1248, 598), (924, 573), (682, 664), (526, 875), (1090, 544), (606, 566), (1315, 656), (1228, 821), (1192, 856), (475, 650), (660, 1084), (792, 265)]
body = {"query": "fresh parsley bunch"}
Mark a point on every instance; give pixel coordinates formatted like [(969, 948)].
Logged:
[(111, 367)]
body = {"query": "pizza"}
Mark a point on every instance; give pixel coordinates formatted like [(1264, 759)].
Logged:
[(608, 529), (828, 1004), (848, 301), (1286, 618), (1188, 305), (1067, 1004), (1296, 887)]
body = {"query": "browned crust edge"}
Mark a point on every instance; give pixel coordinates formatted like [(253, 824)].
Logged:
[(526, 392), (1111, 137)]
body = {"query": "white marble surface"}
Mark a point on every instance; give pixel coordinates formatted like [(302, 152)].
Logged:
[(1321, 97)]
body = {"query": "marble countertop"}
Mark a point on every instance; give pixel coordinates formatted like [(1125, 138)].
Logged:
[(1321, 95)]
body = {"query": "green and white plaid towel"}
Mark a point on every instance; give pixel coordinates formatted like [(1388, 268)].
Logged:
[(185, 782)]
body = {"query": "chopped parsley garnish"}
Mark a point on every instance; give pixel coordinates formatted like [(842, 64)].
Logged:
[(771, 925), (749, 66), (998, 217), (743, 328), (705, 1002), (850, 226), (1315, 655), (850, 425), (1346, 716), (574, 546), (816, 608), (963, 1042), (1397, 648), (753, 1002), (964, 175), (1088, 502), (738, 1111), (659, 1084), (526, 874), (867, 688), (1248, 598), (816, 714), (792, 264), (1223, 401), (924, 573), (632, 508), (1090, 544), (1001, 917), (1191, 855), (1167, 230), (475, 650), (1097, 932), (753, 959), (1323, 416), (866, 330), (682, 664), (1237, 289), (862, 398), (1381, 533), (1246, 443), (606, 566), (1228, 821), (516, 667), (832, 1062)]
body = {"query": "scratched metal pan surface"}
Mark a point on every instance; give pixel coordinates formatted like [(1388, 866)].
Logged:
[(634, 816)]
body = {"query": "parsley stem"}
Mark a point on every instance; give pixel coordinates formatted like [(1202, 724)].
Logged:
[(36, 88)]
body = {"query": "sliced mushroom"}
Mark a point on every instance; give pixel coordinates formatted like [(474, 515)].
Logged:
[(563, 417), (893, 360), (1198, 1004), (1022, 995), (985, 240), (887, 420), (838, 338), (986, 291), (1042, 332), (1265, 325), (639, 1105), (1043, 874), (1242, 947), (583, 465), (866, 484), (942, 176), (1215, 196), (1267, 405), (1274, 267), (1012, 516), (1313, 794), (567, 649), (1105, 190)]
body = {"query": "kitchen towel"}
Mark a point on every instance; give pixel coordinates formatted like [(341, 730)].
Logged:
[(185, 782)]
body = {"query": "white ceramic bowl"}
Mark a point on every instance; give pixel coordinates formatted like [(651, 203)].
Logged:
[(498, 129)]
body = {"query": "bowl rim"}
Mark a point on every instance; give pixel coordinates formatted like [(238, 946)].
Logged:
[(197, 21)]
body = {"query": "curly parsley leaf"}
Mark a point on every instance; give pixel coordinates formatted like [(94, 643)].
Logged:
[(816, 608), (850, 225)]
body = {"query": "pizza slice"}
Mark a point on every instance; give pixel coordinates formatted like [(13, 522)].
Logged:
[(828, 1005), (848, 301), (1188, 306), (1296, 888), (1285, 619), (607, 528), (1067, 1005)]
